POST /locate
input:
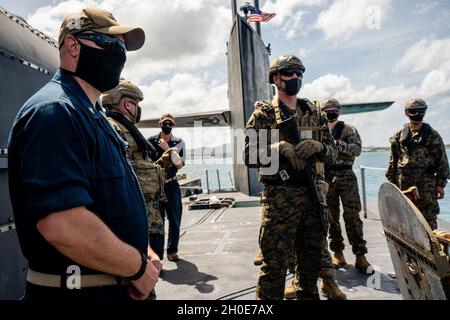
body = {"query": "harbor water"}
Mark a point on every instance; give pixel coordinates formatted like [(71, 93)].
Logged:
[(221, 169)]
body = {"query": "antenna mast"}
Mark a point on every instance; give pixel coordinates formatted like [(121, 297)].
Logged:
[(233, 8), (258, 26)]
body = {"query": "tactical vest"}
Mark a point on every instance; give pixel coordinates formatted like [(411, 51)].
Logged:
[(406, 140), (150, 175), (408, 145), (337, 135), (308, 124)]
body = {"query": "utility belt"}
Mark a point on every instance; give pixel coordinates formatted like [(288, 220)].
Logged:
[(339, 167), (286, 178), (86, 281), (408, 171), (288, 183), (171, 179)]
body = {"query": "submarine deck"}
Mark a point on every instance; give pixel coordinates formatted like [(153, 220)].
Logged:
[(217, 247)]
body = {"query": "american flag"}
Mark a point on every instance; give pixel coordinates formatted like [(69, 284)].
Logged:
[(256, 15), (260, 17)]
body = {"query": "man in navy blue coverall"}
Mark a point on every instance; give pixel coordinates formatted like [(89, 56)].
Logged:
[(79, 211), (172, 206)]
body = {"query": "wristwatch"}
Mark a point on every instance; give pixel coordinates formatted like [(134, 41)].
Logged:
[(141, 270)]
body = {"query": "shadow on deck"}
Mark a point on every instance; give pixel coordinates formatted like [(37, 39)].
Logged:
[(217, 248)]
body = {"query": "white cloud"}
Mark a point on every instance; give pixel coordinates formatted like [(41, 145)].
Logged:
[(48, 19), (426, 54), (187, 35), (289, 30), (422, 8), (437, 81), (179, 35), (304, 52), (344, 17), (327, 86), (376, 75), (289, 15), (188, 5), (287, 10), (183, 93), (341, 88)]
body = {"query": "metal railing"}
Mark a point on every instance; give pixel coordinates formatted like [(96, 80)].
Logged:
[(363, 185), (208, 190)]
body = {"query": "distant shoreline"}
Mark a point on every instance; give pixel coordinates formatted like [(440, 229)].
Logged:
[(378, 149), (375, 149), (224, 151)]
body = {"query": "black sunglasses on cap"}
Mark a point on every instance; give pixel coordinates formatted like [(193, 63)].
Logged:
[(104, 41), (290, 72)]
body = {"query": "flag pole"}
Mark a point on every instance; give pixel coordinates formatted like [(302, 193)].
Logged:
[(258, 25), (233, 8)]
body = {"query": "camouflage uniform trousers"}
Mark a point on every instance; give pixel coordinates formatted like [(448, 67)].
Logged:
[(427, 202), (327, 270), (345, 189), (155, 228), (289, 221), (155, 222)]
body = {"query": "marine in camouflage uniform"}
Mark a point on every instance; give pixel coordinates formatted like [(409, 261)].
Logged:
[(418, 158), (289, 218), (343, 186), (149, 171)]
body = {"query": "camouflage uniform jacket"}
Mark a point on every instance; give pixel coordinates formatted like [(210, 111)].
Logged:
[(133, 152), (150, 175), (418, 154), (348, 144), (308, 117)]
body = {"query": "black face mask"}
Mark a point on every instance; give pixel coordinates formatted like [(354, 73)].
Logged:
[(416, 118), (415, 115), (166, 130), (292, 86), (138, 115), (100, 68), (332, 115)]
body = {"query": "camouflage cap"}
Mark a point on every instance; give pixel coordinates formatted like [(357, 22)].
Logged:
[(331, 104), (124, 88), (415, 104), (102, 21), (167, 116), (284, 62)]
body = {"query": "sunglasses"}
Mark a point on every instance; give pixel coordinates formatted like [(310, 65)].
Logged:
[(167, 124), (290, 72), (104, 41), (414, 112)]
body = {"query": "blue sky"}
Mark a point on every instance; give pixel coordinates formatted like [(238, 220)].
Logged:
[(354, 50)]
